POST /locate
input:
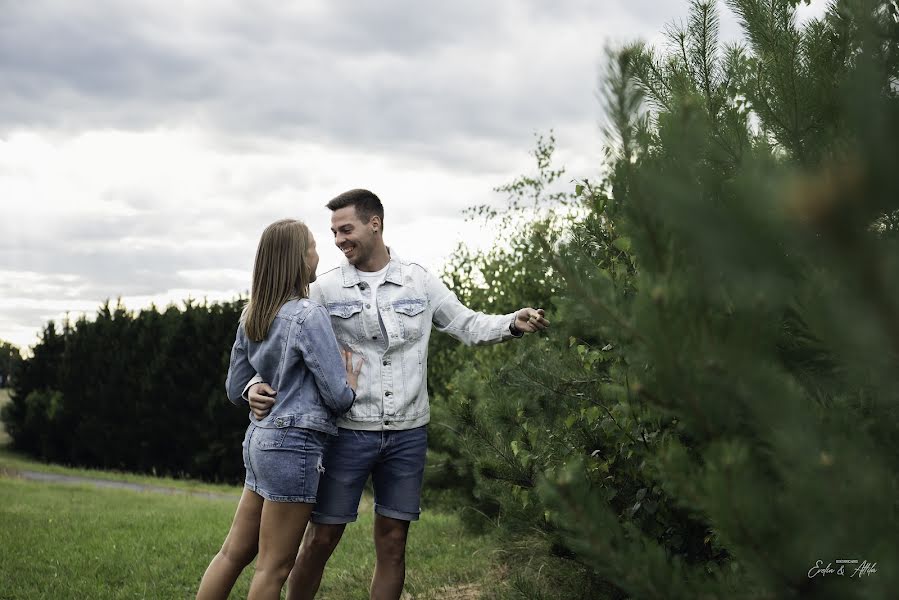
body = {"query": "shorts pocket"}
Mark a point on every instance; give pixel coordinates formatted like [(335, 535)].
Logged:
[(266, 437)]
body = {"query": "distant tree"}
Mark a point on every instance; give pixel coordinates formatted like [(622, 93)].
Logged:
[(133, 391), (9, 362)]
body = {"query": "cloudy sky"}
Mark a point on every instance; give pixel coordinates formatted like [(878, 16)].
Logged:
[(144, 145)]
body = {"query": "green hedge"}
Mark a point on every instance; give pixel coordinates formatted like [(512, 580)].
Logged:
[(141, 392)]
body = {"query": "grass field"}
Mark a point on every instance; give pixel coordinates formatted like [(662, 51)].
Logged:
[(76, 541)]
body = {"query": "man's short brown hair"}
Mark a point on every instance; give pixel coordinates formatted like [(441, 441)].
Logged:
[(366, 203)]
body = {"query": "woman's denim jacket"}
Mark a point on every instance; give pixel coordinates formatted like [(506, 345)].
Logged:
[(300, 358)]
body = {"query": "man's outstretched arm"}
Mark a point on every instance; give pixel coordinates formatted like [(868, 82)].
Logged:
[(474, 328)]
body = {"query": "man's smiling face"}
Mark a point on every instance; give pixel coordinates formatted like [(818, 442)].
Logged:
[(354, 238)]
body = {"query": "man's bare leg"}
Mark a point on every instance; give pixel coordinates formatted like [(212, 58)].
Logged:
[(318, 545), (390, 568)]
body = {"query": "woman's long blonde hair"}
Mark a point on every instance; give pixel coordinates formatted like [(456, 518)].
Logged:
[(281, 272)]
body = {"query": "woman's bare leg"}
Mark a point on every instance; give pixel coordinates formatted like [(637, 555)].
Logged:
[(237, 551), (283, 524)]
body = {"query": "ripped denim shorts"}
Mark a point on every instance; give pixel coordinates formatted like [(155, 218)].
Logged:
[(284, 464)]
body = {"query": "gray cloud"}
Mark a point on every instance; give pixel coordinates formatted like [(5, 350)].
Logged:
[(453, 91), (397, 75)]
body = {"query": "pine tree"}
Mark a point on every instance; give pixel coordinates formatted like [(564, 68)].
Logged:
[(723, 415), (10, 358)]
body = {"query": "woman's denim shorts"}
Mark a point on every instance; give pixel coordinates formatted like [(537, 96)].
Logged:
[(284, 464)]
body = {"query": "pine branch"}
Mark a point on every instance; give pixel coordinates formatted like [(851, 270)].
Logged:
[(527, 376), (703, 31)]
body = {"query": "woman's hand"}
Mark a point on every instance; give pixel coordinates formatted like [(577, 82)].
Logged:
[(352, 372)]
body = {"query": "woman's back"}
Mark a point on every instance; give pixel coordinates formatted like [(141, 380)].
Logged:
[(300, 358)]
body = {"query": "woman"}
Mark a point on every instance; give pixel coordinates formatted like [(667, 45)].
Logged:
[(288, 340)]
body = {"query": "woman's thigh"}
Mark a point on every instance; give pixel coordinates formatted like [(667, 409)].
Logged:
[(243, 537), (281, 530)]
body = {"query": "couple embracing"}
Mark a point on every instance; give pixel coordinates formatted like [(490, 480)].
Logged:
[(334, 370)]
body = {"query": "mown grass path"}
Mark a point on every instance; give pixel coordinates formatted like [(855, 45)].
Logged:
[(119, 485)]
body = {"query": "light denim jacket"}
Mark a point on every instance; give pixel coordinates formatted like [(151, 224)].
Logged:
[(392, 390), (300, 359)]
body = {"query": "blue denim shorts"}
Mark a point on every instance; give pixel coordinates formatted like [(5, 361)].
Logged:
[(394, 459), (284, 464)]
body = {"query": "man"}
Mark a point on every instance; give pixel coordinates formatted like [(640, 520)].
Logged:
[(382, 307)]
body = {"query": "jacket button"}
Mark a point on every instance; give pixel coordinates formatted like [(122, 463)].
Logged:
[(388, 394), (386, 362), (374, 337), (368, 306)]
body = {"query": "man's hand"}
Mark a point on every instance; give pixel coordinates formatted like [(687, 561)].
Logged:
[(261, 397), (529, 320)]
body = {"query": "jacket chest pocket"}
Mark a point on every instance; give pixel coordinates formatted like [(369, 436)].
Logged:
[(411, 317), (346, 320)]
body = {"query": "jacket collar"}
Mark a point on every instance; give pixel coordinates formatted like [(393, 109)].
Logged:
[(394, 275)]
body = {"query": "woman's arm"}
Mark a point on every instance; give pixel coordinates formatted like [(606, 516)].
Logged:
[(240, 371), (318, 346)]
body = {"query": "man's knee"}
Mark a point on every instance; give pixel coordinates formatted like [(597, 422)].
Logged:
[(390, 540), (321, 540)]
